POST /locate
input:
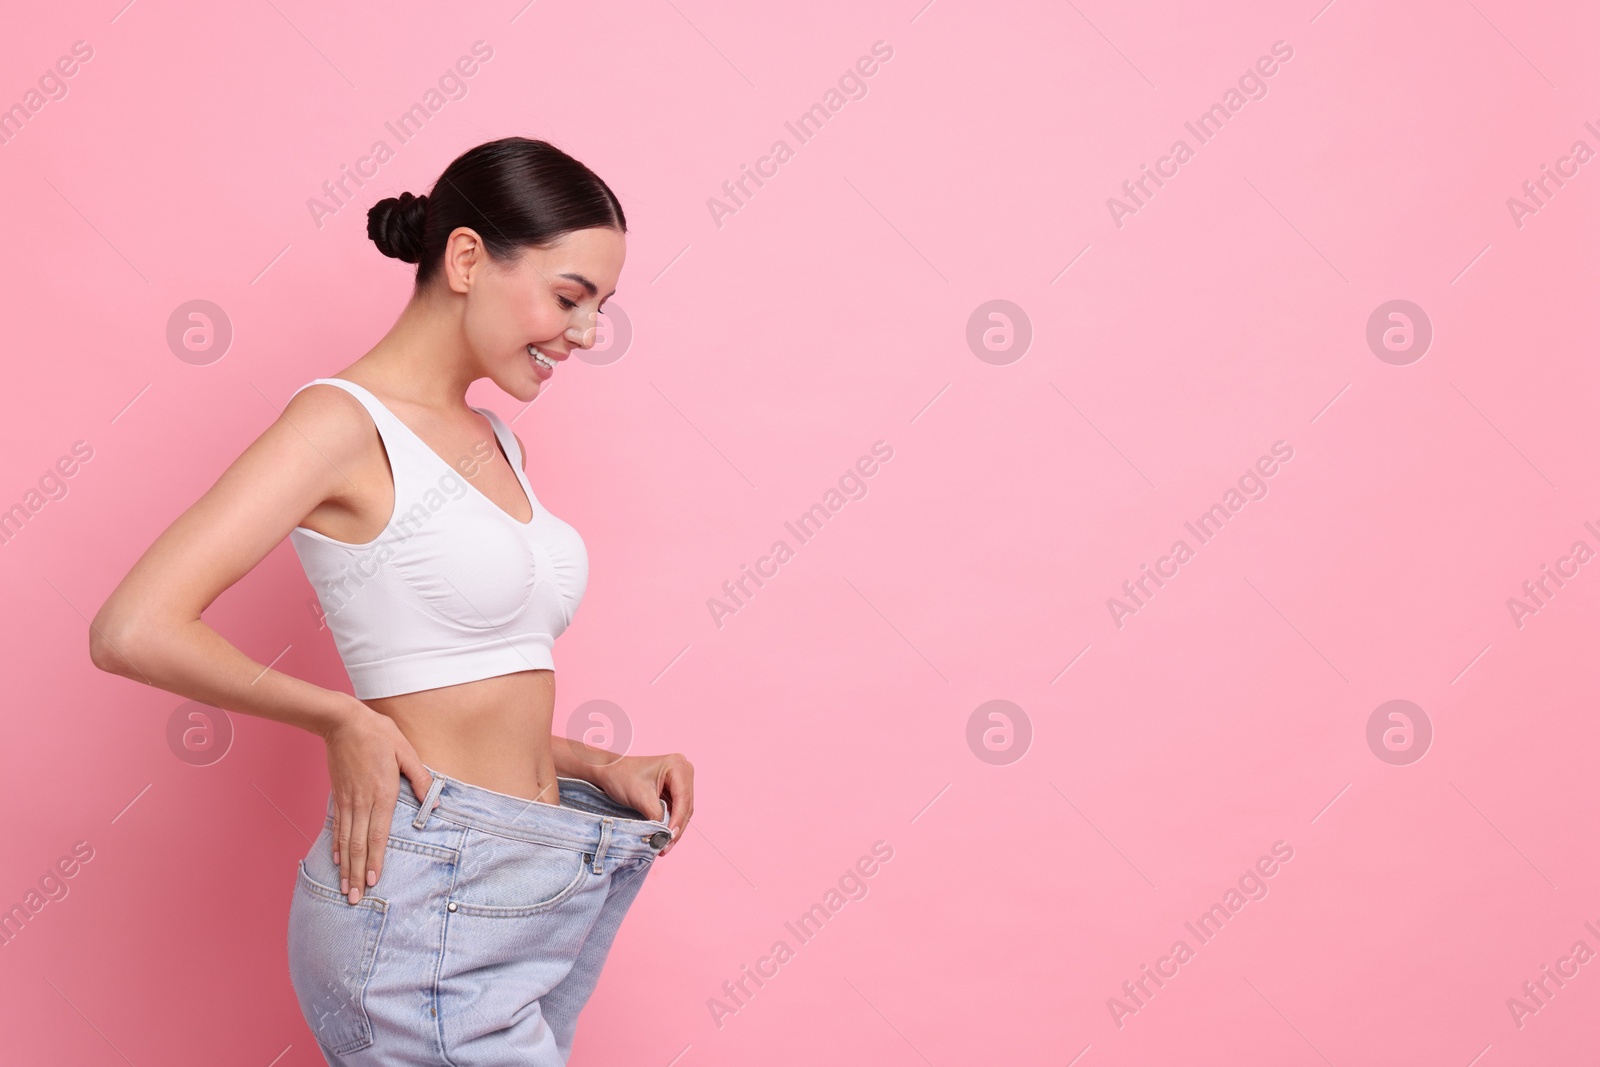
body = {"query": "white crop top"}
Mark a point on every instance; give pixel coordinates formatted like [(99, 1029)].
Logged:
[(454, 589)]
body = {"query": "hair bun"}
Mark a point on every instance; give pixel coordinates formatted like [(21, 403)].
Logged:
[(395, 225)]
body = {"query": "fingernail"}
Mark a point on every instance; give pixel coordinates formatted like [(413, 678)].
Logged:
[(355, 895), (372, 877), (344, 885), (336, 855)]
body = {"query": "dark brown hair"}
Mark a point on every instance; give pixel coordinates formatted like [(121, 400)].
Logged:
[(514, 192)]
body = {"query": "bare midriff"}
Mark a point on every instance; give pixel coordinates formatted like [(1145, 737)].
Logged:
[(493, 732)]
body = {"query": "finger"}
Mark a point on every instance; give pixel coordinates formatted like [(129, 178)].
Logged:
[(683, 806), (378, 839), (344, 846), (417, 774), (680, 790), (337, 810), (360, 817)]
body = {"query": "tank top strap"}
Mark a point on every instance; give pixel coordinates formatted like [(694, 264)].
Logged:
[(508, 440), (409, 457), (394, 432)]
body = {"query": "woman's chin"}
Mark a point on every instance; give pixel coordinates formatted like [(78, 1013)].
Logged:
[(524, 385)]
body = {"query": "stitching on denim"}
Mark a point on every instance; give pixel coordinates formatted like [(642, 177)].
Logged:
[(368, 900), (624, 844), (371, 967), (444, 939), (378, 906), (436, 851), (523, 911)]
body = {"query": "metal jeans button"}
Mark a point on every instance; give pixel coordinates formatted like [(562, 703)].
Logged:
[(451, 906), (659, 840)]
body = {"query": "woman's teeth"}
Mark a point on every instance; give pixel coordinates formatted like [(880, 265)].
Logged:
[(540, 358)]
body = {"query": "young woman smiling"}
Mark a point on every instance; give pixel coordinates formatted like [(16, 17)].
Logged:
[(473, 868)]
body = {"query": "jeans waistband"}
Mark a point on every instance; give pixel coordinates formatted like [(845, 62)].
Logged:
[(587, 819)]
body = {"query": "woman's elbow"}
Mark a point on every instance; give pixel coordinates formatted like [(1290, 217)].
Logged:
[(111, 641)]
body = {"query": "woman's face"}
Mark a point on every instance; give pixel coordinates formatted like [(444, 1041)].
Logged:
[(545, 302)]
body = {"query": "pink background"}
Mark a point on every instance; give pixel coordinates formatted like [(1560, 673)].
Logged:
[(829, 312)]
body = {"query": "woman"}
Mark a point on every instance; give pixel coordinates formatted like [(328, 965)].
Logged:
[(464, 891)]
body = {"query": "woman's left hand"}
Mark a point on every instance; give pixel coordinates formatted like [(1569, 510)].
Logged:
[(641, 781)]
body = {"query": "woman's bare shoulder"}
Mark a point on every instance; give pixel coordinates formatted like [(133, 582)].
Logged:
[(316, 449), (330, 418)]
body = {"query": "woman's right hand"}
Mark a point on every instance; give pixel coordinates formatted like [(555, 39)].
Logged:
[(367, 753)]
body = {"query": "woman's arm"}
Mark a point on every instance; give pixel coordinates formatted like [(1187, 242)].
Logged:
[(574, 759), (150, 629)]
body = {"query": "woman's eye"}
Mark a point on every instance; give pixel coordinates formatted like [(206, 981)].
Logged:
[(566, 304)]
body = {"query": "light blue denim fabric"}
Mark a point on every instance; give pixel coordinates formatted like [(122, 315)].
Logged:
[(483, 938)]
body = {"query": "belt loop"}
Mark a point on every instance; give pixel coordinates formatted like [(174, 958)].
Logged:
[(605, 843), (428, 802)]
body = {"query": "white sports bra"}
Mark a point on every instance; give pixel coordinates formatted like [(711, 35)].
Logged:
[(454, 589)]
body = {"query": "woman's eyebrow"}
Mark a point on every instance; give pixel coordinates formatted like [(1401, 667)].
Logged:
[(590, 287)]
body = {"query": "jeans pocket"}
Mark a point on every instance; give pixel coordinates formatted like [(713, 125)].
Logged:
[(506, 879), (333, 945)]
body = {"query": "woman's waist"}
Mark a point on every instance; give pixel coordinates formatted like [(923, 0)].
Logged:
[(585, 819), (582, 804), (485, 704), (495, 732)]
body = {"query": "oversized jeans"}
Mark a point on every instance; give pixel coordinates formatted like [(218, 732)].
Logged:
[(484, 936)]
